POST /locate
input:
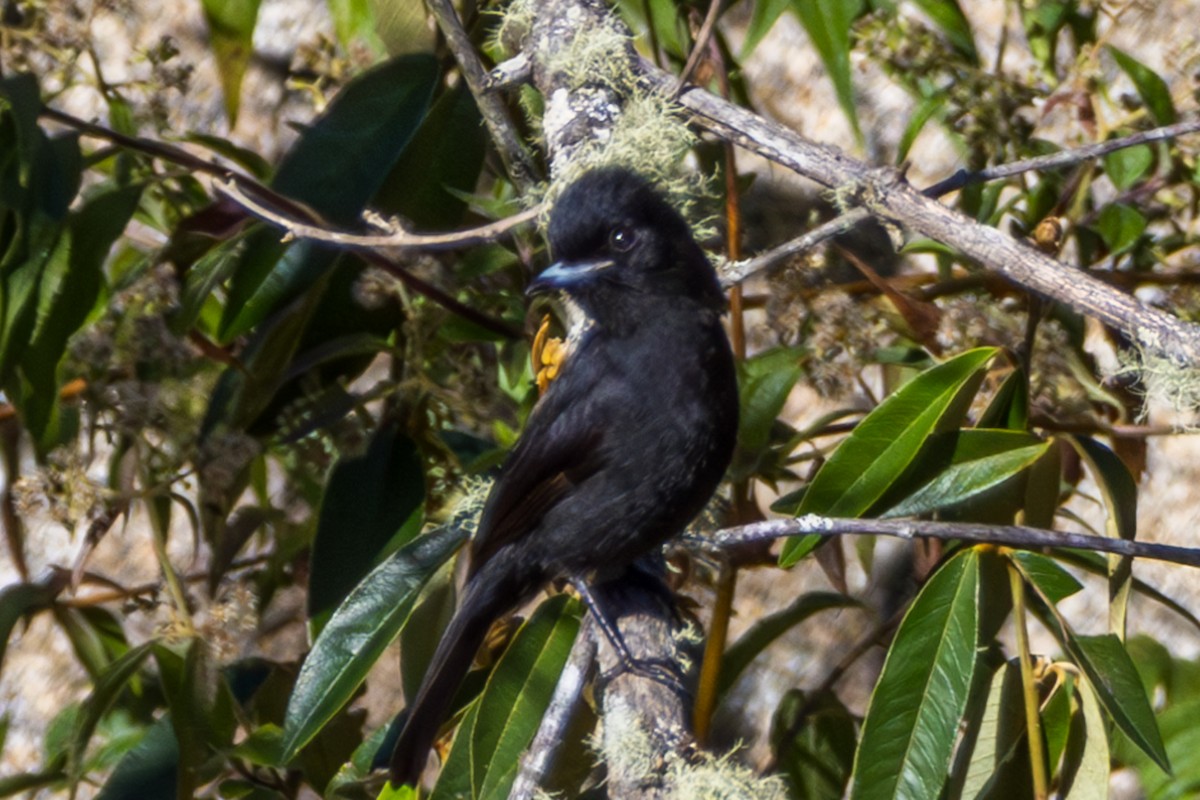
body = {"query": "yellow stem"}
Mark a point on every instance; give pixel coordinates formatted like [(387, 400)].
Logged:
[(1033, 722)]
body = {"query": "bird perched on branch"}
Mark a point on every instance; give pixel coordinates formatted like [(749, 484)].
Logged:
[(628, 442)]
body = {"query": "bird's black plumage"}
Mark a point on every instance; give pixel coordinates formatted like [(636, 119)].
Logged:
[(624, 448)]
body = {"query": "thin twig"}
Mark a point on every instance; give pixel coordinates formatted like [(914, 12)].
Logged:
[(735, 272), (702, 41), (1011, 535), (507, 74), (399, 238), (516, 158)]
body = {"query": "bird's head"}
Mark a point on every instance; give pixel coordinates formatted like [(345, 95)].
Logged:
[(612, 232)]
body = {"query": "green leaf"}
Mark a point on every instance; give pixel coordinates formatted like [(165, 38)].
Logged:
[(517, 693), (231, 35), (19, 600), (888, 442), (981, 460), (828, 24), (355, 26), (1125, 167), (766, 381), (998, 766), (762, 18), (1108, 666), (738, 656), (1085, 770), (201, 708), (439, 166), (358, 632), (70, 285), (1051, 580), (368, 501), (949, 18), (149, 771), (1009, 407), (1154, 91), (105, 692), (815, 755), (341, 160), (1120, 226), (1119, 490), (911, 724)]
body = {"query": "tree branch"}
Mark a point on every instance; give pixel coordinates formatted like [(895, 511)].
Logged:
[(516, 158), (885, 193), (1010, 535)]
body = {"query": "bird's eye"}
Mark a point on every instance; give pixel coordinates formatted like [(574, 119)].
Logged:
[(622, 239)]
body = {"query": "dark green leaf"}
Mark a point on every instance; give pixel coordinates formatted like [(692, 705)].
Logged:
[(367, 502), (19, 600), (1009, 407), (440, 165), (912, 722), (1111, 671), (105, 692), (149, 771), (1119, 490), (815, 754), (342, 159), (998, 767), (358, 632), (888, 441), (1150, 86)]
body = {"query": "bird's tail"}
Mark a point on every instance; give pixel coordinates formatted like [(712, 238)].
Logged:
[(484, 601)]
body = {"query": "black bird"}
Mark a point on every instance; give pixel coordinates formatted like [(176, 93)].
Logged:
[(627, 444)]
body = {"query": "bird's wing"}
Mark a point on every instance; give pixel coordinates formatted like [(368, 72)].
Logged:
[(561, 446)]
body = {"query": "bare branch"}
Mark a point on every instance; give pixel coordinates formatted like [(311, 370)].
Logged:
[(886, 194), (400, 238), (1010, 535), (516, 158)]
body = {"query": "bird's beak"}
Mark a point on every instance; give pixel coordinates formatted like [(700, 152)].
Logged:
[(564, 275)]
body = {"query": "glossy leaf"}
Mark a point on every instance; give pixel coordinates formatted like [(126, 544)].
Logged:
[(828, 23), (231, 36), (148, 771), (439, 166), (342, 159), (911, 724), (368, 501), (1051, 580), (516, 695), (1154, 91), (358, 632), (982, 459), (1108, 666), (888, 441)]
